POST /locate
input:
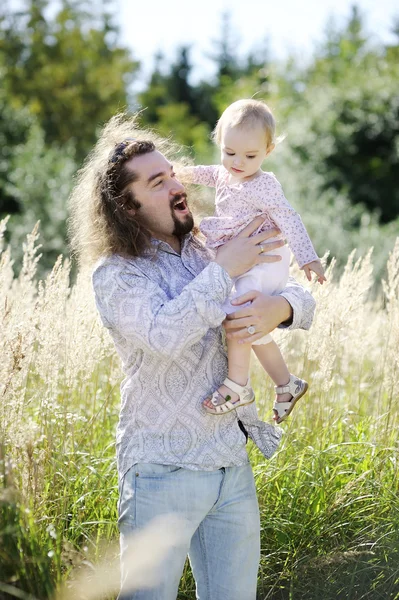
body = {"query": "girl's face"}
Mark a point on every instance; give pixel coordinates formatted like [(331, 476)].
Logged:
[(243, 151)]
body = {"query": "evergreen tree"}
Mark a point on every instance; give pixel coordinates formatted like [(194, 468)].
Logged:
[(170, 104)]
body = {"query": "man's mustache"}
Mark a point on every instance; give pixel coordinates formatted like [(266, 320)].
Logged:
[(178, 197)]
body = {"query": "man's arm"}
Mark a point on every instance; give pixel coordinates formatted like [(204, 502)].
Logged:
[(137, 309)]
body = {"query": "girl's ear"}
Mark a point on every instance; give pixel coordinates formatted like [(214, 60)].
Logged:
[(270, 148)]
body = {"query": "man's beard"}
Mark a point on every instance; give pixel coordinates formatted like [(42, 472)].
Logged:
[(181, 228)]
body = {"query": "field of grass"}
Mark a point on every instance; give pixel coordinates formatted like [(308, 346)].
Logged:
[(329, 498)]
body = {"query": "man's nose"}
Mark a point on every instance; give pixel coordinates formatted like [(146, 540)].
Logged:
[(176, 187)]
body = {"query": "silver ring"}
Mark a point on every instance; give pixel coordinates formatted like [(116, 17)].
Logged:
[(251, 329), (262, 248)]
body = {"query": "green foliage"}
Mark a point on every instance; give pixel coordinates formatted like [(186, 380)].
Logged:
[(25, 565), (14, 125), (69, 69), (41, 181), (169, 104), (331, 519), (364, 158), (64, 73), (347, 120), (335, 225)]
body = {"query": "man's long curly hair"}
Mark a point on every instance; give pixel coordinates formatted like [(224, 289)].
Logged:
[(99, 224)]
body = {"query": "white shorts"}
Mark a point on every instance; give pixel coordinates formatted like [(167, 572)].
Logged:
[(267, 278)]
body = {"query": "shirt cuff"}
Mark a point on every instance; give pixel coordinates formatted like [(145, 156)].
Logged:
[(291, 323)]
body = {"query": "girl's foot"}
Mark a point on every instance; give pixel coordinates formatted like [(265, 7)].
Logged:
[(228, 397), (226, 393), (287, 397)]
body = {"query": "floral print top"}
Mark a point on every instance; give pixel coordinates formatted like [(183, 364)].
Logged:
[(237, 204)]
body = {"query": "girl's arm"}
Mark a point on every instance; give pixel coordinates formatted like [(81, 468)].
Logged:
[(201, 175), (275, 204)]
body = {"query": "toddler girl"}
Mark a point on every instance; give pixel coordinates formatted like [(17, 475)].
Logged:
[(245, 134)]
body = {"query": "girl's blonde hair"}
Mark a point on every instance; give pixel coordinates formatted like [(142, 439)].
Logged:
[(246, 113)]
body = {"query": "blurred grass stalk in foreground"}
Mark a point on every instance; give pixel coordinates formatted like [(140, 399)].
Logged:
[(328, 500)]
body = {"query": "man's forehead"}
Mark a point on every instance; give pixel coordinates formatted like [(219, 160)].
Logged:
[(148, 164)]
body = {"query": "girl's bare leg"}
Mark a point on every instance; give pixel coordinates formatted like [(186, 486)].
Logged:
[(272, 361), (239, 356)]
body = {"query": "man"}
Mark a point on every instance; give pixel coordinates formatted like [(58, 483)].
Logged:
[(159, 291)]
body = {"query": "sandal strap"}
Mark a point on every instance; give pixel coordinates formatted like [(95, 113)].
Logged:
[(282, 407), (217, 399), (293, 387), (226, 407), (282, 389), (235, 387), (221, 405)]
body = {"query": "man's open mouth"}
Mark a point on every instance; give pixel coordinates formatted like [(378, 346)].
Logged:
[(180, 204)]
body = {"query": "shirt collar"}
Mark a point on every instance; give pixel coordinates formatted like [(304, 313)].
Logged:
[(165, 247)]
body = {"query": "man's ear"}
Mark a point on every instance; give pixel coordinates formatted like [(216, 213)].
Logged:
[(129, 204), (270, 148), (129, 207)]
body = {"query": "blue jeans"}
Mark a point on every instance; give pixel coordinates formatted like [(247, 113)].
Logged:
[(223, 537)]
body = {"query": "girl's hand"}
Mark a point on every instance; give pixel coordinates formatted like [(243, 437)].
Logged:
[(317, 268), (265, 313)]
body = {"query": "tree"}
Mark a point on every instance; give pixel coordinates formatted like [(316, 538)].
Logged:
[(170, 103), (347, 120), (41, 181), (14, 127), (225, 56), (68, 69)]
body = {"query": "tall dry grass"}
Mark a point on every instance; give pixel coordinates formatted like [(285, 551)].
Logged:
[(328, 500)]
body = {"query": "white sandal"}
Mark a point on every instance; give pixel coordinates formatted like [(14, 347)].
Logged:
[(297, 388), (223, 405)]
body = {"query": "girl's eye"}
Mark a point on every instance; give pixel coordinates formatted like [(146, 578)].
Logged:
[(230, 153), (250, 156)]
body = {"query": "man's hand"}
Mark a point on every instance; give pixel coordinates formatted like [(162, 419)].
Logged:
[(265, 313), (245, 251), (317, 268)]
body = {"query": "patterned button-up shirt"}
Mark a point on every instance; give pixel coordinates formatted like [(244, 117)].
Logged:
[(163, 311)]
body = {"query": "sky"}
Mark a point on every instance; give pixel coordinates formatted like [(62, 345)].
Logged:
[(291, 26)]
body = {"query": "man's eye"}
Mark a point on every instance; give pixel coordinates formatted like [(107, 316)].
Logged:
[(158, 183)]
